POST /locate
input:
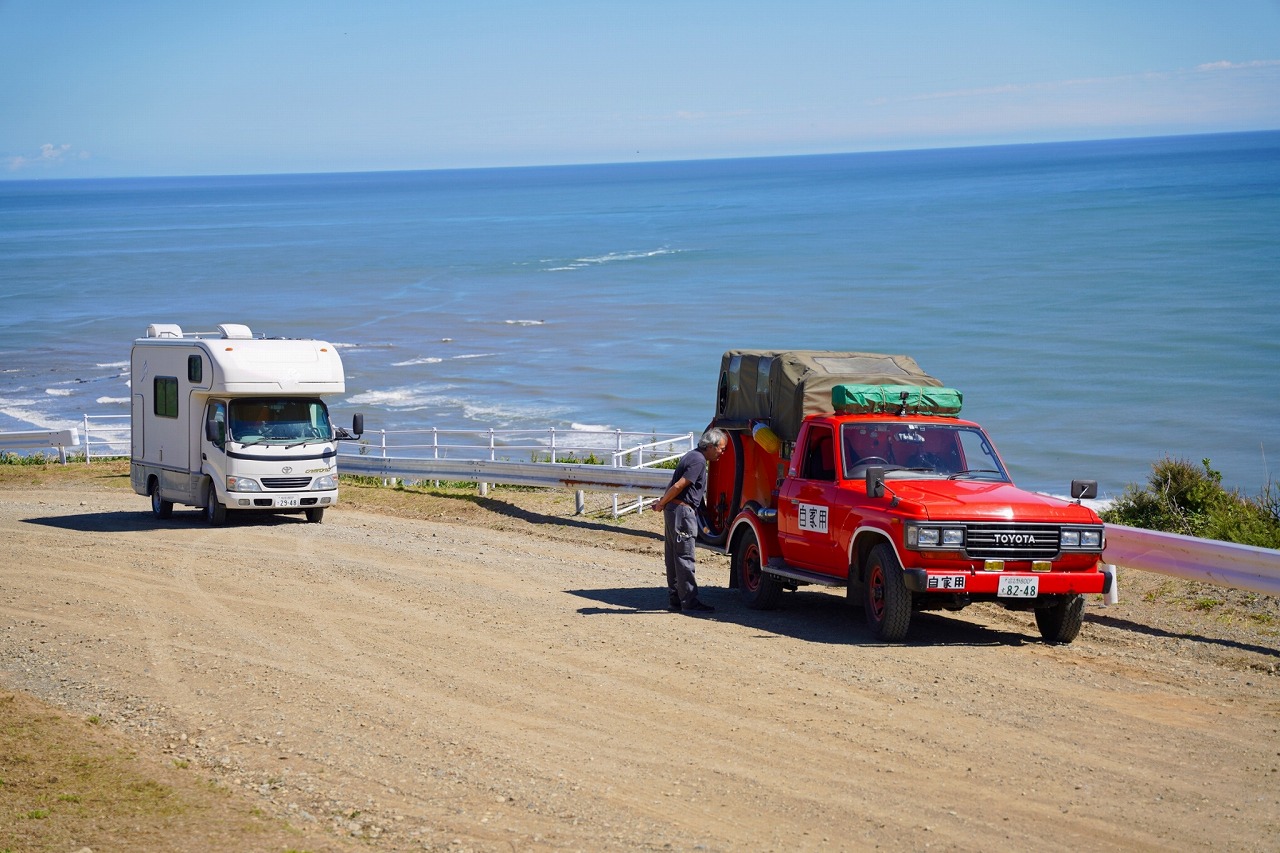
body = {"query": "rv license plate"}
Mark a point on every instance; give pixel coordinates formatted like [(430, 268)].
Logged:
[(298, 502), (1018, 587)]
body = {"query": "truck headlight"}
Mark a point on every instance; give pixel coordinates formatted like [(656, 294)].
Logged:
[(934, 537), (1082, 539), (242, 484), (325, 483), (1090, 538)]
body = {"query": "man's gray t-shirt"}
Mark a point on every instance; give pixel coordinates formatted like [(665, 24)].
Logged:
[(693, 467)]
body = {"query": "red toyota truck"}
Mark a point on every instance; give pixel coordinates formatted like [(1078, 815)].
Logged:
[(854, 470)]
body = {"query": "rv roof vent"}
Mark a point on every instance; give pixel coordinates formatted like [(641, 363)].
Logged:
[(234, 330), (164, 330)]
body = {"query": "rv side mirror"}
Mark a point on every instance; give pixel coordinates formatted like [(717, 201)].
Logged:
[(875, 482), (357, 424), (1084, 489), (215, 431)]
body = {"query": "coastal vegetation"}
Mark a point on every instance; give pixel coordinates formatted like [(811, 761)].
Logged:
[(1181, 497)]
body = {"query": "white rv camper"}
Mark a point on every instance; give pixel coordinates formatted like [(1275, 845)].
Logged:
[(228, 421)]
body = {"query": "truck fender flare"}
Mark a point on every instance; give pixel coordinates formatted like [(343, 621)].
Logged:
[(864, 538)]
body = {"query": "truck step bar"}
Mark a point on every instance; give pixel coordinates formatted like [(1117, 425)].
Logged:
[(778, 567)]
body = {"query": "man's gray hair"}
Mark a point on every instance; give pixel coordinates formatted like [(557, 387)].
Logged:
[(712, 437)]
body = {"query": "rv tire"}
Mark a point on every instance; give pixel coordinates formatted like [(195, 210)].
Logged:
[(315, 515), (214, 512), (160, 507)]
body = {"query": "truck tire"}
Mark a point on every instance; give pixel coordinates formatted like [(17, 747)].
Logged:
[(315, 515), (160, 507), (1060, 622), (760, 590), (888, 601), (214, 512)]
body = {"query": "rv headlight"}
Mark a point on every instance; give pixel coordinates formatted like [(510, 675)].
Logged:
[(325, 483), (242, 484)]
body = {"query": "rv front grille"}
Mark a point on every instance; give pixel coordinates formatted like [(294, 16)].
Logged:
[(290, 483)]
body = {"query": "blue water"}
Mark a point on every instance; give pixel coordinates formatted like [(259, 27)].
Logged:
[(1101, 304)]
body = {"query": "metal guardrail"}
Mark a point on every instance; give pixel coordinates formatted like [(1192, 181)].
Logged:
[(600, 478), (1204, 560), (60, 439)]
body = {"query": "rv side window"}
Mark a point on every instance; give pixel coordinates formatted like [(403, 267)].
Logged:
[(195, 369), (166, 393)]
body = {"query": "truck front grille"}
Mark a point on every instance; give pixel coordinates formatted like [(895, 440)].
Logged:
[(1012, 541), (290, 483)]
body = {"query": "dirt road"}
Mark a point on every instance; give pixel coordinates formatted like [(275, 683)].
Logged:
[(501, 676)]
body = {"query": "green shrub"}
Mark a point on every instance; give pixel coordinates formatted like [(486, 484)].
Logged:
[(1182, 498)]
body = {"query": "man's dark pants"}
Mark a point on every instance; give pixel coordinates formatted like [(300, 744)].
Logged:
[(681, 535)]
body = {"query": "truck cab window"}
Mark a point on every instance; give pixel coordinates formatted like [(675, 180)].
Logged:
[(819, 458)]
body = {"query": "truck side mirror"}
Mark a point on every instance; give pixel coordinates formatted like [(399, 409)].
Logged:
[(215, 431), (357, 424), (875, 482), (1084, 489)]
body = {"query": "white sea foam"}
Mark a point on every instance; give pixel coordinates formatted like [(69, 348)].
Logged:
[(58, 392), (413, 361), (524, 322), (113, 364), (26, 411), (612, 257), (112, 401), (475, 355)]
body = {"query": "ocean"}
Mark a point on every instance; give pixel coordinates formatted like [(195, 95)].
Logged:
[(1101, 305)]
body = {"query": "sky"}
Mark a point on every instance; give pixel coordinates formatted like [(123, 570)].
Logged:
[(106, 89)]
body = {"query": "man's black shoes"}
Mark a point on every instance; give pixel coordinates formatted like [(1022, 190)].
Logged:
[(697, 608), (674, 604)]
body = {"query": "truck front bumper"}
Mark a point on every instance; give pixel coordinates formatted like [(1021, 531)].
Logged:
[(988, 583)]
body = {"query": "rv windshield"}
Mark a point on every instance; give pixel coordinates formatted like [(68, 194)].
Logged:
[(279, 420), (920, 450)]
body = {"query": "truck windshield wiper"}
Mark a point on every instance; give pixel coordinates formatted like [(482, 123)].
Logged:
[(968, 471)]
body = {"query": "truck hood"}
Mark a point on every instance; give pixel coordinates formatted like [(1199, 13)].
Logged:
[(969, 500)]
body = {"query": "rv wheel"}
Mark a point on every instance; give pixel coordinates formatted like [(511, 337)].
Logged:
[(214, 512), (160, 507), (315, 515)]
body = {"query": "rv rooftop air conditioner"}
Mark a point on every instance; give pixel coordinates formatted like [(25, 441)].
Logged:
[(164, 330), (235, 330)]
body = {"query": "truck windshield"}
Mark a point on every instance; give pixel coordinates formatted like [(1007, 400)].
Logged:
[(920, 450), (279, 420)]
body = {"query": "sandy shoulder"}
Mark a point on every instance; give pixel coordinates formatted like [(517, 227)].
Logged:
[(497, 675)]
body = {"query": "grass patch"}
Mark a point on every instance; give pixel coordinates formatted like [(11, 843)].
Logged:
[(69, 784)]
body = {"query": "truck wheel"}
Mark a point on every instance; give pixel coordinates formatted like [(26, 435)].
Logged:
[(214, 512), (1060, 622), (760, 591), (888, 602), (315, 515), (160, 507)]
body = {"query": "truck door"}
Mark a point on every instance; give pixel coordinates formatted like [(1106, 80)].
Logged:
[(213, 440), (808, 504)]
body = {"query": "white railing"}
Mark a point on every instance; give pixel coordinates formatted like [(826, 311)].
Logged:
[(548, 458), (110, 439), (624, 448)]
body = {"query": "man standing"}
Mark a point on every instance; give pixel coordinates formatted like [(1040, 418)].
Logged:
[(678, 505)]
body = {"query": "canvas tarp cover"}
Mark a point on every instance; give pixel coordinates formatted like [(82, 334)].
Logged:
[(782, 387)]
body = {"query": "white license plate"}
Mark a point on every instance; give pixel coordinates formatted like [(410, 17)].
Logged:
[(298, 502), (1013, 586)]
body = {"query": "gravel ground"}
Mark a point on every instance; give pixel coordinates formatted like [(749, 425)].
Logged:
[(446, 672)]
